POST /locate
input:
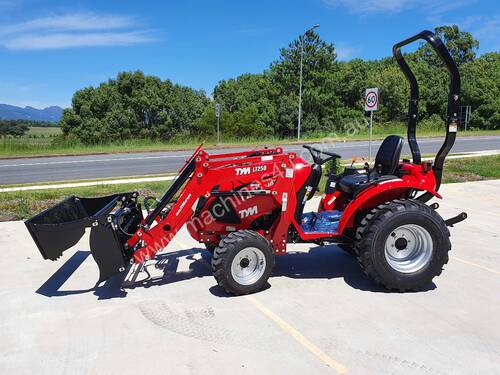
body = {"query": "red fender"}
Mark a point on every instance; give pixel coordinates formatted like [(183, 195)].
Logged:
[(382, 192)]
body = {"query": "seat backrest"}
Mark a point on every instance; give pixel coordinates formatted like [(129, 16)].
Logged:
[(308, 189), (388, 154)]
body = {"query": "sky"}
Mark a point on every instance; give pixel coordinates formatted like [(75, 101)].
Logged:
[(50, 49)]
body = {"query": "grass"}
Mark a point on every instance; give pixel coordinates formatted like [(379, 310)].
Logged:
[(472, 169), (43, 131), (24, 204), (102, 179), (47, 142)]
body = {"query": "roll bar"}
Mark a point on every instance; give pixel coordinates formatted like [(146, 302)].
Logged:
[(453, 99)]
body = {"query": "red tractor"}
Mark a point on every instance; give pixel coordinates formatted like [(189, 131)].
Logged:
[(247, 206)]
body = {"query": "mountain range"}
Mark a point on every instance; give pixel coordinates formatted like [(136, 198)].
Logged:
[(11, 112)]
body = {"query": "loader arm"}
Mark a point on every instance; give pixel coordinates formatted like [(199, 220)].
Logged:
[(199, 180)]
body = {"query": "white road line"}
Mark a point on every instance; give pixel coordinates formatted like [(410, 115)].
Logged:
[(87, 183), (337, 144), (471, 154), (93, 160)]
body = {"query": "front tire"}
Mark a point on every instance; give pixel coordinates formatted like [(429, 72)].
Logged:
[(402, 244), (243, 262), (210, 246)]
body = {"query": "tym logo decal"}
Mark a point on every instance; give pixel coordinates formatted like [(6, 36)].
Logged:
[(248, 212), (242, 171), (248, 170)]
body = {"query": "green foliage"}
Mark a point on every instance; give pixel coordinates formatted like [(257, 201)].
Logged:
[(394, 91), (41, 124), (461, 44), (248, 106), (18, 128), (319, 99), (15, 128), (481, 87), (135, 106)]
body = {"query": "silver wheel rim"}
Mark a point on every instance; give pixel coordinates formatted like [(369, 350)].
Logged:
[(248, 266), (408, 248)]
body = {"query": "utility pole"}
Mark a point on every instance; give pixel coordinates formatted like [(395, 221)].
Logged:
[(300, 78), (217, 115), (371, 105)]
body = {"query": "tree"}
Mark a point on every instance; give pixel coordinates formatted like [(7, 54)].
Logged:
[(249, 93), (393, 93), (15, 128), (318, 57), (481, 90), (319, 96), (461, 44), (133, 106), (352, 80)]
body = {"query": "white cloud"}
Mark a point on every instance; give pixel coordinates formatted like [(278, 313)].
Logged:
[(487, 27), (67, 40), (73, 30), (483, 28), (7, 3), (442, 7), (367, 7), (345, 53)]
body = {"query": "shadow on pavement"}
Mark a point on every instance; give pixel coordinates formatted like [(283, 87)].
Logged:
[(327, 262), (50, 288)]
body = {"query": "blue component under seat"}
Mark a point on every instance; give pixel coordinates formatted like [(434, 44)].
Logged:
[(320, 222)]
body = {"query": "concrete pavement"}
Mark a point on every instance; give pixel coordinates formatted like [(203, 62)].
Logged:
[(320, 315), (17, 171)]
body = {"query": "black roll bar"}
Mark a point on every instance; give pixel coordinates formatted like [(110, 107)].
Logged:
[(453, 100)]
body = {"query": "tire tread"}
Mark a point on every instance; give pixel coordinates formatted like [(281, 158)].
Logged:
[(374, 221)]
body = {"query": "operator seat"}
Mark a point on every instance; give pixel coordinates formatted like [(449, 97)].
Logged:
[(308, 190), (386, 165)]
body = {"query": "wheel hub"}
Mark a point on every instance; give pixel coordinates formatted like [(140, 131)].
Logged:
[(401, 243), (248, 266), (408, 248)]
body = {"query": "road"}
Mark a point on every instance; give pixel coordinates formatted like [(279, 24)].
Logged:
[(27, 170)]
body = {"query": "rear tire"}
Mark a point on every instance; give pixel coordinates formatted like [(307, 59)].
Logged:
[(243, 262), (402, 244)]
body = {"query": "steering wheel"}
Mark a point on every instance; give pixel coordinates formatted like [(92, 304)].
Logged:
[(315, 153)]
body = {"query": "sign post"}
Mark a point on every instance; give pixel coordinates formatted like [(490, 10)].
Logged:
[(217, 115), (371, 105)]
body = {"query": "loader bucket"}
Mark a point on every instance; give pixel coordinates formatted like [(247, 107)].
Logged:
[(61, 227)]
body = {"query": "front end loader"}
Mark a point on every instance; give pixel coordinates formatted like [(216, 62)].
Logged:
[(246, 207)]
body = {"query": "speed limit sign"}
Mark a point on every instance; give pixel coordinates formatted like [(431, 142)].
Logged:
[(371, 99), (371, 105)]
